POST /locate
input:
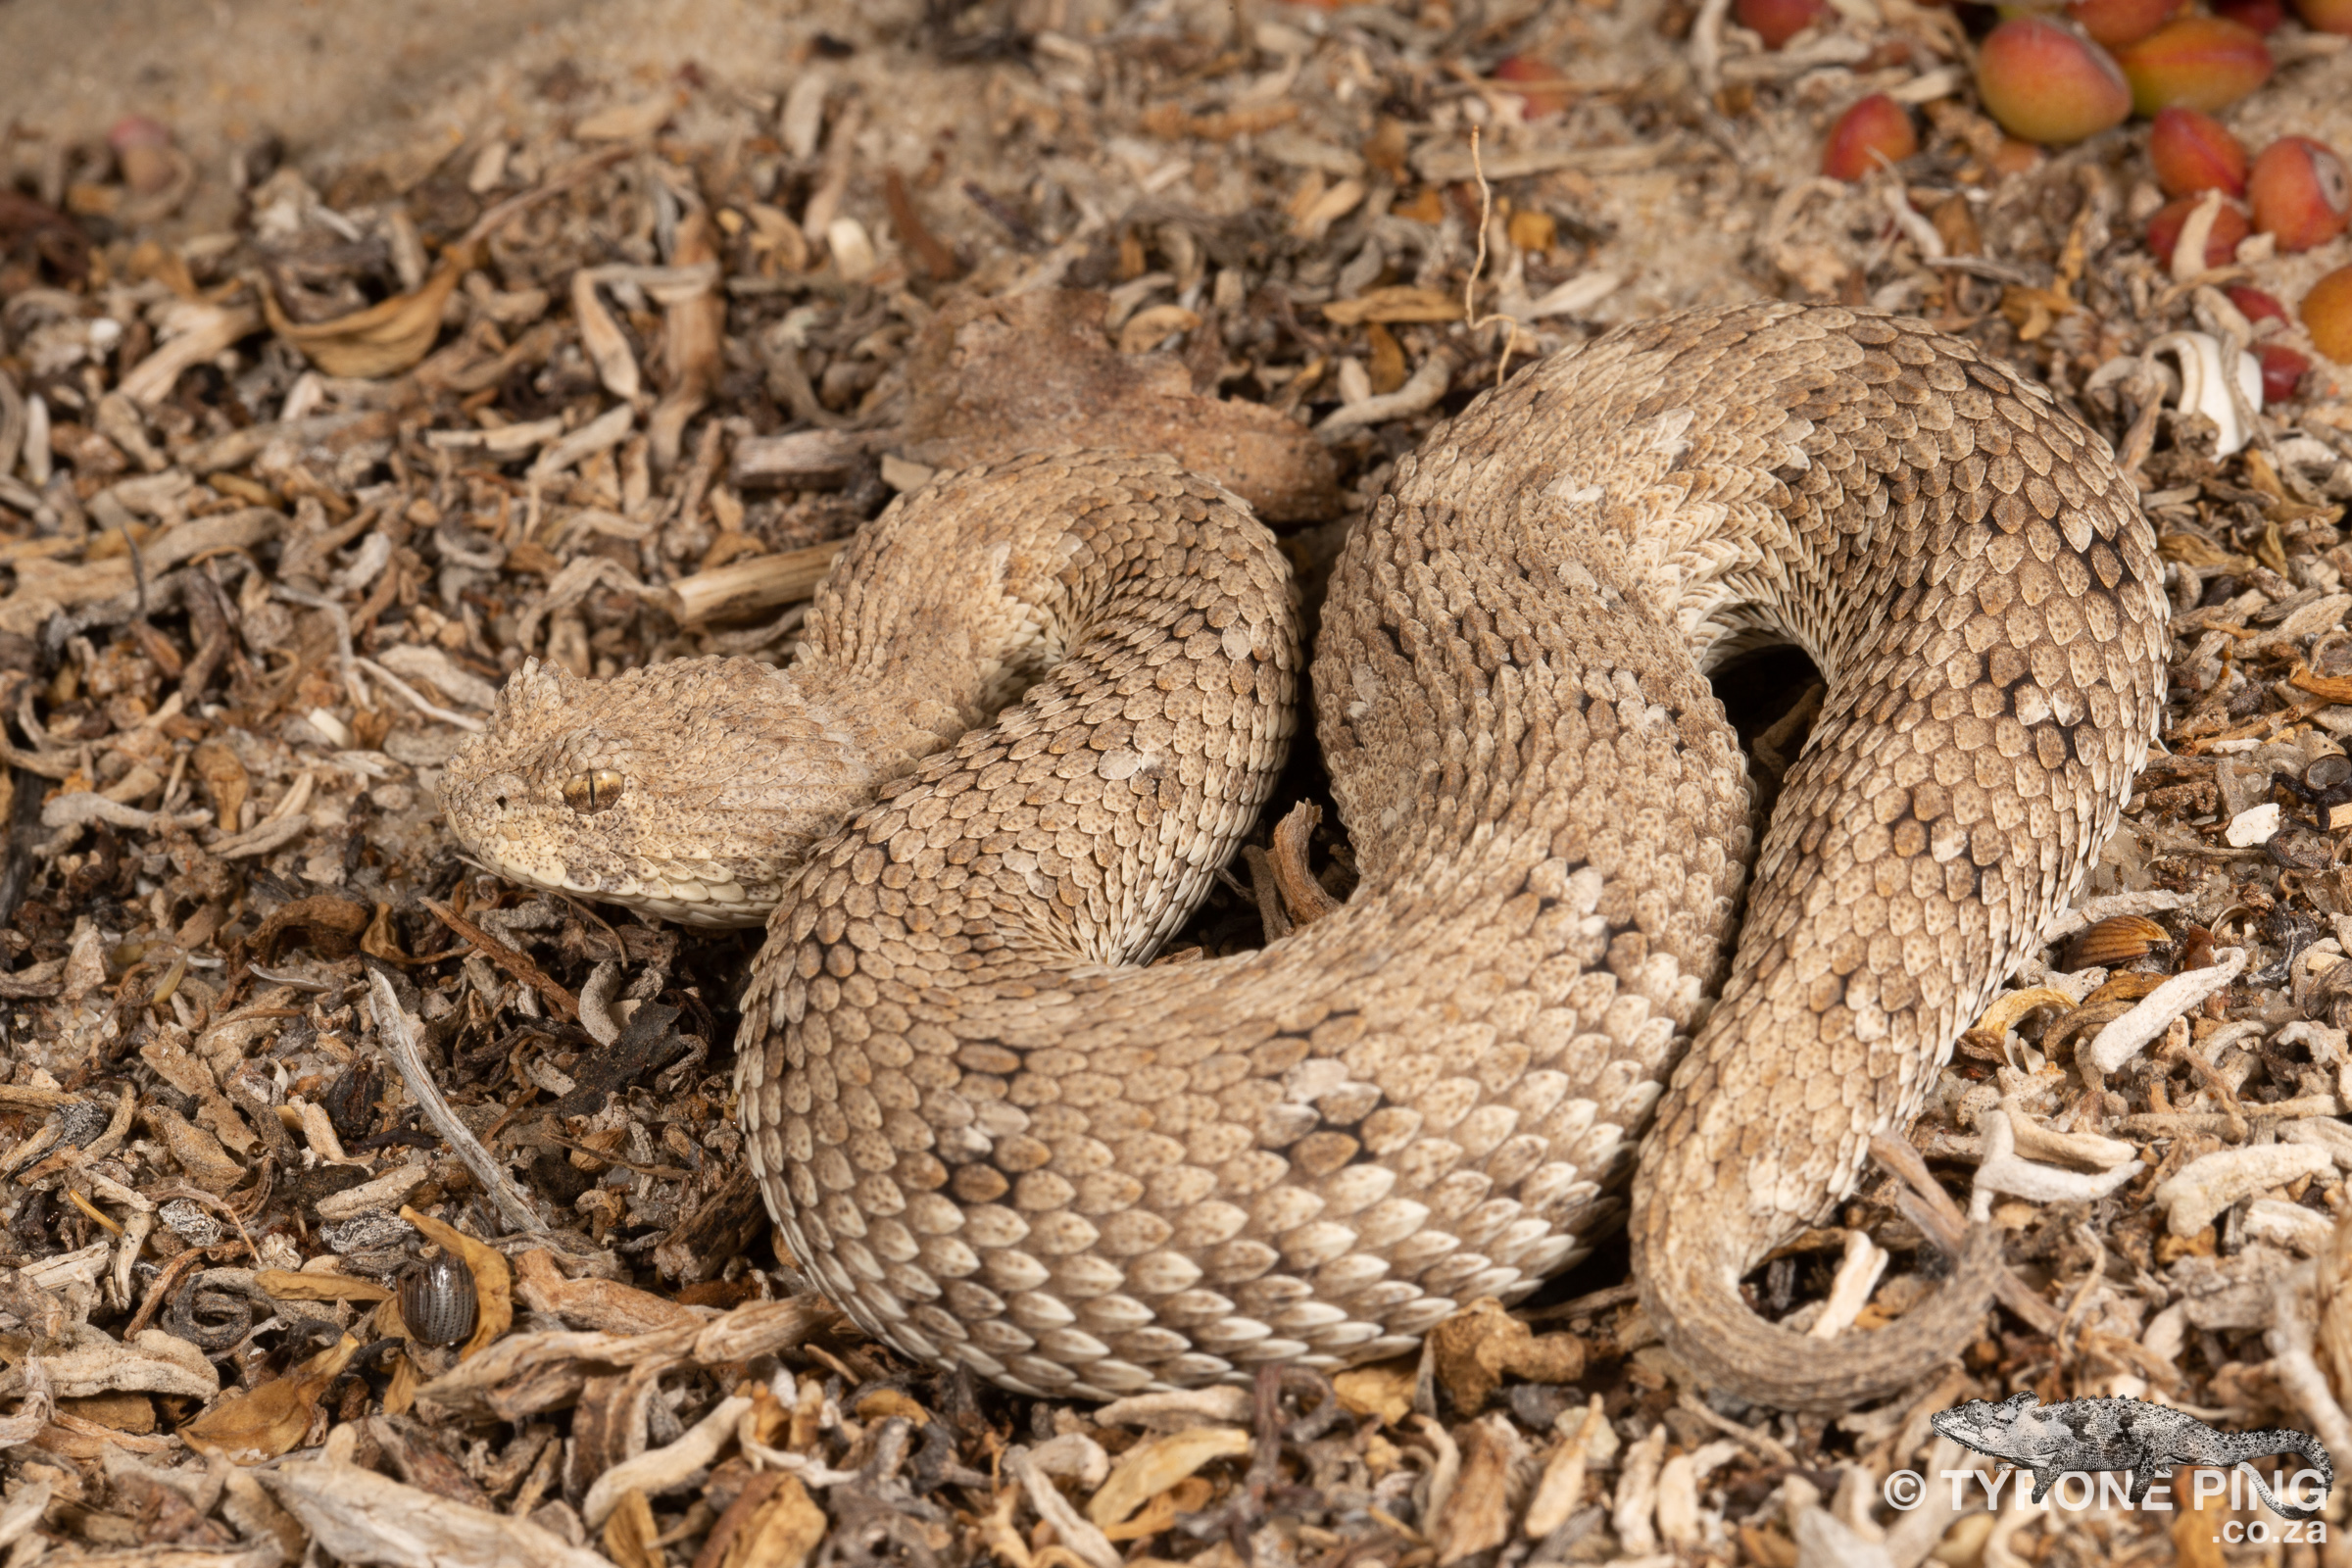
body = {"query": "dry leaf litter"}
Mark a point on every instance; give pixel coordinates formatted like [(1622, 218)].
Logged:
[(359, 1208)]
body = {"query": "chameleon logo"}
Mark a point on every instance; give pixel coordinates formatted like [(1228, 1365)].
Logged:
[(2088, 1436)]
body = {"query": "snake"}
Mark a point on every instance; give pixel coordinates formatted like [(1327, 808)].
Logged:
[(1037, 703)]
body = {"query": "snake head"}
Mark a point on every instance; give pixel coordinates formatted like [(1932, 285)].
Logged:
[(689, 790)]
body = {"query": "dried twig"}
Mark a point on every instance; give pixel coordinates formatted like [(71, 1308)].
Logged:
[(517, 964), (1486, 221), (409, 694), (399, 1034), (1926, 1204)]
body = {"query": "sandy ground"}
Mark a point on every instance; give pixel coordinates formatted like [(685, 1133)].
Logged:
[(326, 76), (406, 86), (224, 71)]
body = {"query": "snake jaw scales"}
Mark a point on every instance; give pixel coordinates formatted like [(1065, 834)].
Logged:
[(998, 1143)]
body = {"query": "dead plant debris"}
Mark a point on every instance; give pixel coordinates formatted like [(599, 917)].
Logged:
[(298, 462)]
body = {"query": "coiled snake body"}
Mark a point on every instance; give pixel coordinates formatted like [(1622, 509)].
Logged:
[(996, 1140)]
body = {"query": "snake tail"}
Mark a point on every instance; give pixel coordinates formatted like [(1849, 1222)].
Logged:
[(1974, 579)]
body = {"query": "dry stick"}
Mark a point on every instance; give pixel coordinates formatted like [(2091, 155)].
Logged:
[(410, 695), (1486, 217), (1303, 898), (760, 583), (1771, 1448), (564, 179), (167, 1283), (1263, 888), (1593, 1302), (517, 964), (397, 1031), (1933, 1210), (938, 260)]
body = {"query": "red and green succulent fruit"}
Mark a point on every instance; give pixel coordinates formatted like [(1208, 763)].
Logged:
[(2326, 16), (1874, 132), (2203, 63), (2046, 82), (2195, 152), (1777, 22), (2254, 304), (143, 150), (2326, 313), (2263, 16), (2230, 226), (2283, 371), (2301, 192), (1537, 82), (2112, 22)]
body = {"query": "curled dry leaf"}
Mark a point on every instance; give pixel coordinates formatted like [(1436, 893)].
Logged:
[(606, 346), (2200, 1189), (44, 587), (380, 942), (2010, 1008), (2119, 990), (1147, 327), (630, 1533), (493, 1291), (198, 1153), (525, 1373), (23, 1510), (629, 121), (771, 1524), (1475, 1347), (362, 1517), (1176, 1409), (328, 925), (1561, 1490), (1155, 1464), (256, 1515), (606, 1304), (384, 339), (2333, 1286), (1402, 302), (659, 1470), (1383, 1390), (384, 1192), (197, 333), (1477, 1510), (285, 1285), (275, 1418), (884, 1404), (1086, 1545), (694, 325)]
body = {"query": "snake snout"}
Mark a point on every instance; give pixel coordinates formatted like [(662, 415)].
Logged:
[(475, 804), (506, 791)]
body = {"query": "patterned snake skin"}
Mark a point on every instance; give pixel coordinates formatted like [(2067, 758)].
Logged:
[(997, 1142)]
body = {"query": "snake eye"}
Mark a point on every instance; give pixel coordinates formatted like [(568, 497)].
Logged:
[(589, 793)]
